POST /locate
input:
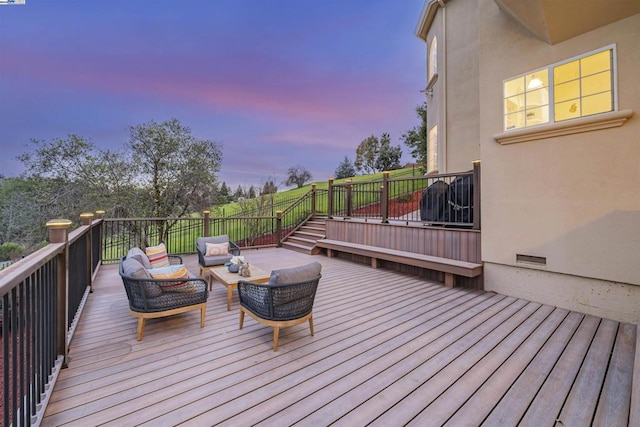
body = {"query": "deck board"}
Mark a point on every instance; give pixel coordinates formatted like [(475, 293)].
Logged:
[(389, 349)]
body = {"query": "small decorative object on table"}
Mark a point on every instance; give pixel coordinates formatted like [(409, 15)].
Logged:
[(235, 264), (244, 270)]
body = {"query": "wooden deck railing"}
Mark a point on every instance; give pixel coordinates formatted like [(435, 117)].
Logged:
[(42, 299), (451, 199)]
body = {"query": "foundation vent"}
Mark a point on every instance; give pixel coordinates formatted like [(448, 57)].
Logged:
[(531, 259)]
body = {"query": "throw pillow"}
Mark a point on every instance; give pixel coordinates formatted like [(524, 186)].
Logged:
[(299, 274), (158, 256), (215, 249), (138, 254), (176, 273)]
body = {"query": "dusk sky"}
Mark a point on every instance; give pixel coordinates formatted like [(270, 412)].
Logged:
[(278, 83)]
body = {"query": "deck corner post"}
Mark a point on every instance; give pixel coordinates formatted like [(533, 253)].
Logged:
[(279, 229), (330, 198), (476, 195), (313, 199), (205, 223), (384, 197), (59, 233)]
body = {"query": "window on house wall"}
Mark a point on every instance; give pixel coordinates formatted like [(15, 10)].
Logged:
[(578, 87), (432, 149), (432, 61)]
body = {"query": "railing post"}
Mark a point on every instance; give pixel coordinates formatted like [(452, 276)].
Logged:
[(101, 246), (86, 219), (279, 228), (384, 197), (330, 198), (476, 195), (59, 233), (205, 228), (348, 198), (313, 200)]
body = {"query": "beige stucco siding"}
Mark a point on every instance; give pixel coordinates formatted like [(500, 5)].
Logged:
[(463, 102), (454, 105), (574, 199)]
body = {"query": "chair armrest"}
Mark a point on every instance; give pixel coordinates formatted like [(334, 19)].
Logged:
[(234, 249), (175, 259)]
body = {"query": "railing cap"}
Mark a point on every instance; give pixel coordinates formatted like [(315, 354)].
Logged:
[(58, 223)]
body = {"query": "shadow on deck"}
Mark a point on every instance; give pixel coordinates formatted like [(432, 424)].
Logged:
[(389, 349)]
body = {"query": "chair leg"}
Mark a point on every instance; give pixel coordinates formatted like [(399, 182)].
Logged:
[(276, 333), (203, 315), (241, 318), (311, 324), (141, 321)]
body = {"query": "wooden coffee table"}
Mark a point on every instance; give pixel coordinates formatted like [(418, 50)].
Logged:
[(230, 280)]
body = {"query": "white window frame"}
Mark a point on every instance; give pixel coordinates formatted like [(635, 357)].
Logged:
[(432, 62), (549, 69), (432, 149)]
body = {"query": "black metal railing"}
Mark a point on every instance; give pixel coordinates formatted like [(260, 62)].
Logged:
[(442, 199), (42, 299)]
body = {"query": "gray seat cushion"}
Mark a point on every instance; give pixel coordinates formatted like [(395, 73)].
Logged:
[(201, 245), (298, 274), (133, 268)]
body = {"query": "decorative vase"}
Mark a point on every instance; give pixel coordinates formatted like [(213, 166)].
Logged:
[(233, 268)]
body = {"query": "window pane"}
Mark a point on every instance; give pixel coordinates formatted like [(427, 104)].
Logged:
[(513, 104), (514, 87), (594, 104), (536, 116), (537, 97), (596, 83), (566, 72), (537, 80), (432, 149), (596, 63), (567, 91), (567, 110), (514, 121), (432, 65)]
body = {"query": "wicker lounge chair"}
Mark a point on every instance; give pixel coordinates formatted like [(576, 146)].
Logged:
[(151, 298), (286, 300), (207, 262)]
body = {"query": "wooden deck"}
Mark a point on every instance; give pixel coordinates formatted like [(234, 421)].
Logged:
[(389, 349)]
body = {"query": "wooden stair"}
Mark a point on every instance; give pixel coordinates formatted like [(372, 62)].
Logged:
[(305, 237)]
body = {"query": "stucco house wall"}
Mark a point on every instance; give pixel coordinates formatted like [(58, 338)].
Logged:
[(454, 103), (571, 200)]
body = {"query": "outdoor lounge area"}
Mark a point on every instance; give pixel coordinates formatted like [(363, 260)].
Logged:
[(388, 349)]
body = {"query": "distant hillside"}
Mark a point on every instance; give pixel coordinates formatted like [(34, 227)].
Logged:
[(280, 197)]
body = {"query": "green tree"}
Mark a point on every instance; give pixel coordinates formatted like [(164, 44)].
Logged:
[(345, 169), (298, 175), (366, 154), (10, 250), (416, 138), (22, 214), (69, 176), (376, 155), (388, 156), (252, 192), (178, 168), (269, 188), (239, 194), (224, 195)]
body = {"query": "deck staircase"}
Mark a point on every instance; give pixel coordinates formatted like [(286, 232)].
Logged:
[(305, 237)]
